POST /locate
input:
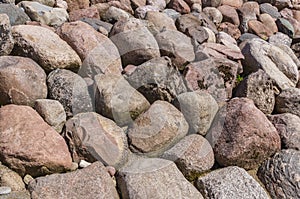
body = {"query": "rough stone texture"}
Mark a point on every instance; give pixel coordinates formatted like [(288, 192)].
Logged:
[(259, 87), (90, 182), (165, 86), (88, 13), (77, 4), (280, 39), (186, 21), (230, 182), (134, 41), (142, 11), (154, 178), (288, 127), (161, 4), (6, 39), (242, 135), (44, 14), (177, 46), (17, 195), (217, 76), (280, 174), (160, 22), (198, 34), (199, 109), (248, 11), (193, 156), (9, 178), (16, 15), (231, 53), (116, 99), (70, 90), (274, 61), (22, 81), (97, 24), (114, 14), (156, 130), (212, 3), (98, 53), (230, 29), (92, 137), (29, 145), (45, 47), (52, 112), (214, 15), (269, 22), (288, 101)]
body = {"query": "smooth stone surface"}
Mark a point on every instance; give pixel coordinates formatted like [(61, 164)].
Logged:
[(193, 156), (154, 178), (156, 130), (16, 15), (116, 99), (52, 112), (22, 81), (40, 149), (45, 47), (92, 137)]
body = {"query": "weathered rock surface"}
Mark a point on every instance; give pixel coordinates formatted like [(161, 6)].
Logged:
[(116, 99), (9, 178), (74, 184), (98, 53), (29, 145), (135, 42), (242, 135), (193, 155), (6, 39), (92, 137), (280, 174), (154, 178), (52, 112), (165, 86), (44, 14), (156, 130), (274, 61), (259, 87), (45, 47), (288, 127), (22, 81), (288, 101), (199, 109), (70, 90), (177, 46), (230, 182)]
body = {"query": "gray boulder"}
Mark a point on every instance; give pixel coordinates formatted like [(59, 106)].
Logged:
[(288, 101), (16, 15)]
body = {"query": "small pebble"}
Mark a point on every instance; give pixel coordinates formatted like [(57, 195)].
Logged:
[(5, 190), (111, 170), (27, 178), (83, 164)]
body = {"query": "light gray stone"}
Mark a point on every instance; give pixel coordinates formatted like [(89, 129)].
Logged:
[(6, 39)]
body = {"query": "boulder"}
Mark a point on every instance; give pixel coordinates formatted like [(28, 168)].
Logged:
[(29, 145), (92, 137), (288, 101), (156, 130), (6, 39), (280, 174), (22, 81), (241, 135), (9, 178), (90, 182), (45, 47), (16, 15)]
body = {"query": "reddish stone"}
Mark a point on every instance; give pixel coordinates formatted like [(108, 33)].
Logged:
[(91, 12), (229, 14), (77, 4), (259, 29), (180, 6), (230, 29)]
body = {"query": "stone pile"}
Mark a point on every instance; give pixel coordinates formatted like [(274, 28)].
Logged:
[(149, 99)]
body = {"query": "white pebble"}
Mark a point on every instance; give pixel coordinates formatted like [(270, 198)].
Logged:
[(5, 190)]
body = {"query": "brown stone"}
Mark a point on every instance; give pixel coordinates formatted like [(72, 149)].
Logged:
[(259, 29), (269, 22), (45, 47), (180, 6), (229, 14), (160, 22), (242, 135), (229, 52), (77, 4), (232, 3), (29, 145), (97, 51), (230, 29), (22, 81), (91, 12)]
